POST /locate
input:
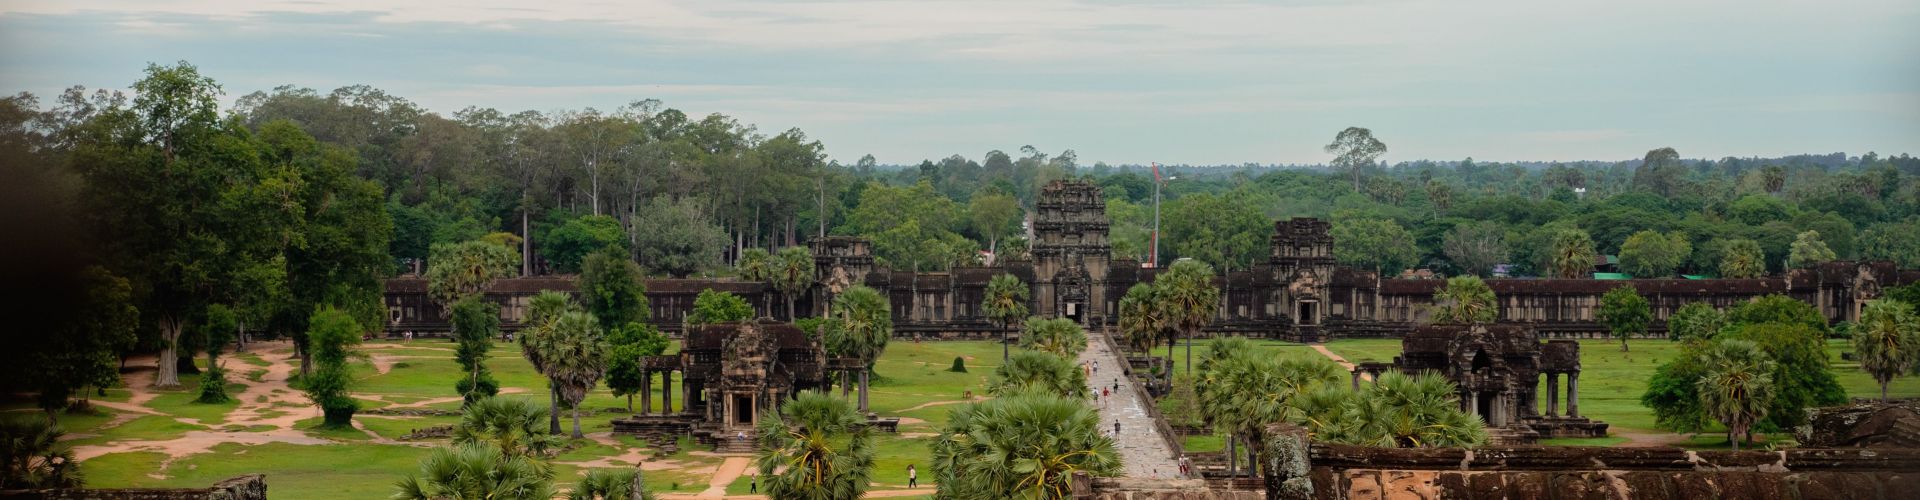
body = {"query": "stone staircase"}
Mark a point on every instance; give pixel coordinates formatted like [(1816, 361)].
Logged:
[(732, 443), (1508, 436)]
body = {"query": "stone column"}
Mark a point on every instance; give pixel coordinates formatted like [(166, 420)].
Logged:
[(1474, 408), (646, 393), (1553, 394), (1573, 394), (666, 393), (1356, 379)]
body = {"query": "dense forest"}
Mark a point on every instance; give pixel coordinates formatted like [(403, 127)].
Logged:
[(310, 197)]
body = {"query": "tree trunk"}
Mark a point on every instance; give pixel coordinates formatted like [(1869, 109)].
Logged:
[(863, 388), (1233, 459), (1623, 343), (576, 421), (629, 403), (1189, 362), (306, 358), (526, 240), (790, 316), (1883, 390), (553, 409), (168, 363)]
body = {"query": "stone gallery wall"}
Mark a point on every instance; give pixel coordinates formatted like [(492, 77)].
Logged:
[(248, 487)]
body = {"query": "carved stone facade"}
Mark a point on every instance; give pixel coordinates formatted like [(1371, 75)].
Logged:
[(1497, 369), (1071, 255), (730, 375)]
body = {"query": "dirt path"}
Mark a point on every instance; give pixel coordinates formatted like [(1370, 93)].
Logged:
[(943, 403), (1322, 349), (725, 475)]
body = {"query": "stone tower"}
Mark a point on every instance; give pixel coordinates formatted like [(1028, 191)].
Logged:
[(1303, 259), (1070, 252)]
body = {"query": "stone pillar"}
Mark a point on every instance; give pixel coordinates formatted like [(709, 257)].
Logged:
[(666, 393), (1553, 394), (1474, 407), (1573, 394), (646, 393), (1356, 379)]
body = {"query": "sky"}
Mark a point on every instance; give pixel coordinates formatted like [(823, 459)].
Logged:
[(1122, 81)]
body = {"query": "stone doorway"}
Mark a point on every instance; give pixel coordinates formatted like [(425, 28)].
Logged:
[(1308, 313), (743, 410)]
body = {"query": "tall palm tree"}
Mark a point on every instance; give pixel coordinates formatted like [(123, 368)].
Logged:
[(1573, 254), (1742, 259), (511, 425), (1404, 411), (1140, 319), (1465, 300), (792, 273), (545, 307), (1034, 370), (865, 323), (819, 448), (575, 360), (1188, 299), (1738, 386), (476, 472), (1242, 392), (1059, 336), (1005, 302), (1023, 446), (754, 264), (1887, 340), (30, 450)]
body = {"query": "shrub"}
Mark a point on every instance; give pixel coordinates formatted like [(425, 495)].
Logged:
[(959, 365)]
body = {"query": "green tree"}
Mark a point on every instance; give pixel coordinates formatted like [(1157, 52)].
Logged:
[(1378, 244), (1742, 259), (1777, 308), (1354, 150), (1188, 299), (31, 451), (1226, 230), (1695, 321), (456, 271), (1038, 371), (1649, 254), (1005, 302), (85, 354), (1673, 391), (792, 274), (217, 328), (566, 246), (612, 290), (627, 349), (1058, 336), (1476, 247), (1894, 241), (1243, 393), (1465, 300), (1625, 313), (1737, 386), (712, 307), (476, 472), (475, 323), (545, 307), (676, 237), (1887, 340), (331, 336), (865, 323), (1802, 376), (993, 216), (511, 425), (1571, 255), (754, 264), (1140, 319), (574, 355), (1399, 411), (1808, 249), (819, 448), (1023, 446)]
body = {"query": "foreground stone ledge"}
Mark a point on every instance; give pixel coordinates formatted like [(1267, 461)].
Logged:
[(248, 487)]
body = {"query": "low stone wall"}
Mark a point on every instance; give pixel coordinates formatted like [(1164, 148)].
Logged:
[(1119, 488), (1329, 471), (248, 487)]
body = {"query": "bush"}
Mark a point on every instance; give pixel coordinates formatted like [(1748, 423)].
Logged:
[(213, 387), (959, 365)]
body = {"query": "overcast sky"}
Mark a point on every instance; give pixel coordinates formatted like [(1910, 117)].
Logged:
[(1118, 81)]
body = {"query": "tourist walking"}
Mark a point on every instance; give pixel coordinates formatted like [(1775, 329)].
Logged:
[(913, 477), (1116, 428)]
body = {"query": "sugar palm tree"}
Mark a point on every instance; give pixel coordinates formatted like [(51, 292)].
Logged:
[(1887, 340), (1059, 336), (1408, 412), (476, 472), (1188, 300), (754, 264), (1242, 392), (791, 272), (1005, 302), (511, 425), (576, 358), (818, 448), (1573, 254), (865, 323), (33, 456), (1140, 319), (1738, 386), (1023, 446), (1742, 259), (545, 307), (1033, 370), (1465, 300), (605, 484)]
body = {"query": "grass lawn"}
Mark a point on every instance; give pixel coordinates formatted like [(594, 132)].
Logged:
[(1204, 443), (293, 471)]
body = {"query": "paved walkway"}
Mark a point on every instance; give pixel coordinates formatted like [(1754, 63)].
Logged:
[(1322, 348), (1141, 448)]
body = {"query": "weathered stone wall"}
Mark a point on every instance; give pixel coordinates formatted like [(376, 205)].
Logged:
[(1353, 472), (1120, 488), (1863, 425), (248, 487)]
